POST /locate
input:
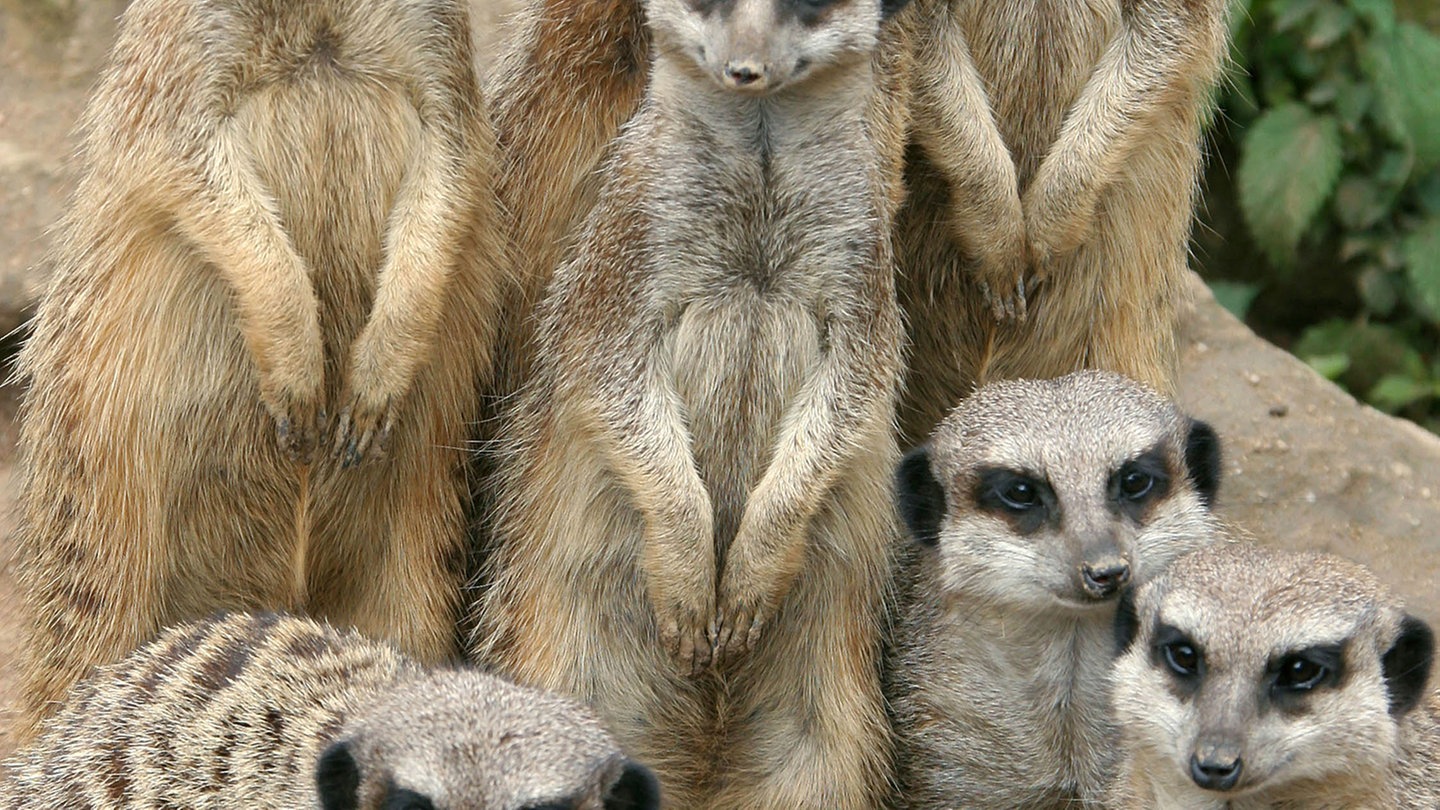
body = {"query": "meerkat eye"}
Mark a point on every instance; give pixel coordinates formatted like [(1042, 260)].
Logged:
[(1307, 669), (1020, 494), (1136, 484), (1299, 674), (1182, 658)]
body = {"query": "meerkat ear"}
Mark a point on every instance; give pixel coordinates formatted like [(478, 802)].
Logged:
[(888, 8), (1407, 665), (1202, 460), (1127, 624), (337, 778), (636, 789), (919, 497)]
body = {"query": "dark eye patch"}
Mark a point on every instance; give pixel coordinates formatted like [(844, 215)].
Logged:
[(808, 12), (1024, 500), (401, 799), (1297, 673), (1176, 653), (1135, 486)]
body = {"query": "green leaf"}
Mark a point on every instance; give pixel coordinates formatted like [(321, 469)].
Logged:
[(1378, 14), (1289, 13), (1378, 289), (1404, 68), (1289, 163), (1329, 366), (1331, 23), (1235, 296), (1395, 391), (1421, 253), (1361, 202)]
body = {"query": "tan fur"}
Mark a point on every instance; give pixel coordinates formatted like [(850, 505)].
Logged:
[(1337, 745), (997, 674), (1058, 142), (700, 458), (284, 215), (236, 711)]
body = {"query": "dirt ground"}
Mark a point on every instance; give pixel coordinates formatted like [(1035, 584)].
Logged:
[(1307, 466)]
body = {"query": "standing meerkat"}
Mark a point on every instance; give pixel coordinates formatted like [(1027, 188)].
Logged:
[(699, 460), (271, 712), (1058, 144), (1033, 506), (284, 214), (1256, 679)]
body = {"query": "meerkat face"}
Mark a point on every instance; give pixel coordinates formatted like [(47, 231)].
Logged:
[(1247, 670), (468, 741), (1046, 493), (759, 46)]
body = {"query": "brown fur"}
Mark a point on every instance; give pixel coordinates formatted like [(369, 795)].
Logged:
[(699, 460), (284, 213), (269, 712), (1057, 142), (1365, 737)]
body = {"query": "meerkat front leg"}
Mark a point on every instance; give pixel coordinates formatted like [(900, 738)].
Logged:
[(421, 241), (649, 449), (235, 225), (1166, 51), (846, 396), (956, 127)]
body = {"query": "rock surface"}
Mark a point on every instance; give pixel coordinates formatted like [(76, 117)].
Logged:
[(1306, 465)]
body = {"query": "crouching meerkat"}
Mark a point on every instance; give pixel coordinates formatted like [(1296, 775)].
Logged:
[(1034, 505), (284, 226), (1058, 143), (698, 465), (269, 712), (1257, 679)]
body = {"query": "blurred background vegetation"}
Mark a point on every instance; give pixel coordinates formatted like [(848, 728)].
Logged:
[(1320, 224)]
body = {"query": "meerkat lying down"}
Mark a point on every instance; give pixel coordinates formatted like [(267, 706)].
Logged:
[(271, 711), (1254, 679), (1034, 505)]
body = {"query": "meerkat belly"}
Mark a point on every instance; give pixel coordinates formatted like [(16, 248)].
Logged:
[(1033, 82), (738, 361), (333, 152)]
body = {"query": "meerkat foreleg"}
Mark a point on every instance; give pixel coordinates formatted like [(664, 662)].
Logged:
[(235, 224), (820, 435), (649, 449), (1160, 55), (421, 240), (956, 127)]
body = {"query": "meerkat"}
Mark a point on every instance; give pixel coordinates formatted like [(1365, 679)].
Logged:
[(281, 261), (1052, 187), (273, 711), (1033, 506), (694, 529), (1258, 679)]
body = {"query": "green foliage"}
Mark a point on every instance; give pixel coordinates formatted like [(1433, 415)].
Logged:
[(1334, 112)]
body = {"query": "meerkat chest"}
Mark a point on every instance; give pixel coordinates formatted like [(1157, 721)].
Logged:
[(1034, 57)]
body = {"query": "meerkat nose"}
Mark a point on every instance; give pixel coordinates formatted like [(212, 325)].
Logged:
[(1216, 767), (747, 74), (1105, 579)]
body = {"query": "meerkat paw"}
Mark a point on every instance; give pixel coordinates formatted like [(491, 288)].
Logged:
[(1001, 263), (299, 419), (737, 625), (363, 428), (685, 636)]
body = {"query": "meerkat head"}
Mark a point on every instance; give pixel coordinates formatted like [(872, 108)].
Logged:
[(1046, 493), (467, 741), (759, 46), (1247, 673)]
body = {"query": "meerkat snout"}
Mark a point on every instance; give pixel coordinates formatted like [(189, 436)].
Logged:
[(1216, 765), (745, 74), (1105, 578)]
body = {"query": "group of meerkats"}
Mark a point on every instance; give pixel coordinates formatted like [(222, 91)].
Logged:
[(593, 374)]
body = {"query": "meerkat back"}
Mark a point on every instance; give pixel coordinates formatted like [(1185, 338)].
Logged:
[(1258, 679), (1033, 507), (269, 711), (1056, 162), (250, 381)]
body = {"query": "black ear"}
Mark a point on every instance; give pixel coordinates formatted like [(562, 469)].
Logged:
[(1202, 460), (337, 778), (919, 497), (636, 789), (888, 8), (1127, 624), (1407, 665)]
